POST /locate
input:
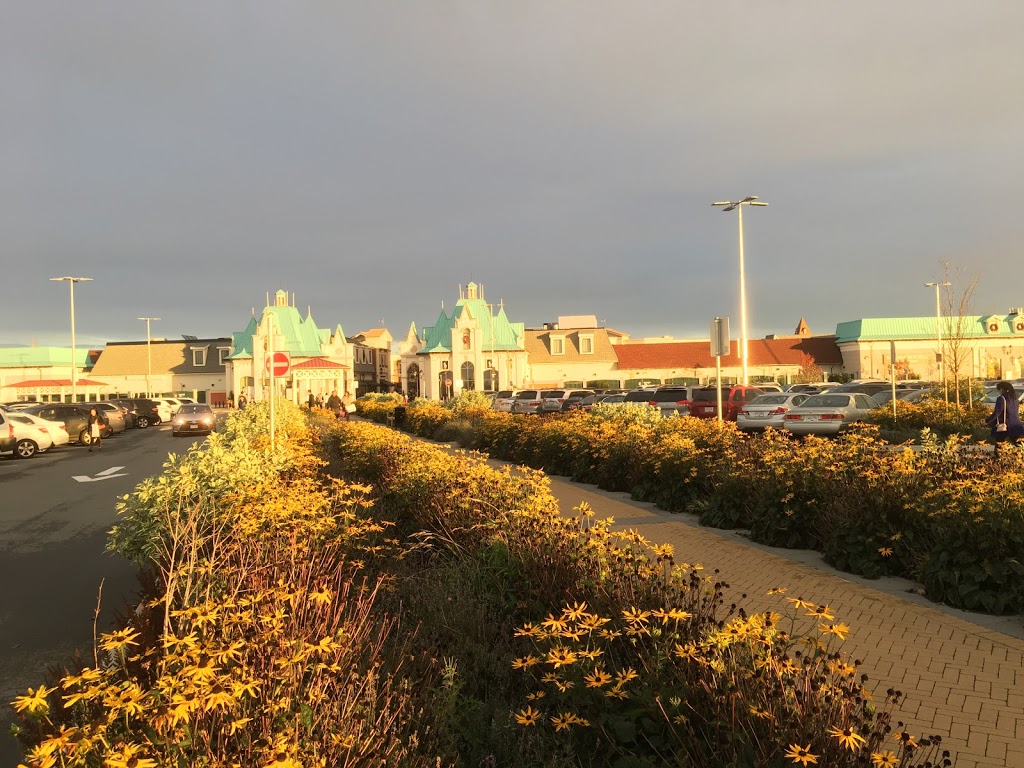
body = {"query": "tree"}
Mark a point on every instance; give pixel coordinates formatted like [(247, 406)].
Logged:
[(810, 372), (958, 321)]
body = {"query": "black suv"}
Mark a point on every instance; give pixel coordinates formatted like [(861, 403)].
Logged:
[(147, 412), (7, 439)]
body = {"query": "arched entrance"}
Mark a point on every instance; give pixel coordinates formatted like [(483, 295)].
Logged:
[(468, 376), (412, 379), (490, 380)]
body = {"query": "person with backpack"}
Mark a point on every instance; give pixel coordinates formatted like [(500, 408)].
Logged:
[(334, 404)]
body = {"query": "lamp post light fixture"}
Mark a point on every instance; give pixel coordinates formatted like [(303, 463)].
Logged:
[(938, 335), (149, 355), (74, 362), (727, 206)]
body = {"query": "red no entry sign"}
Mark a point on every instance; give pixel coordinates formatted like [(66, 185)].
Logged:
[(281, 363)]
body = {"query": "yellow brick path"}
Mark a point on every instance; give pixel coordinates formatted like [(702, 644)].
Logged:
[(963, 673)]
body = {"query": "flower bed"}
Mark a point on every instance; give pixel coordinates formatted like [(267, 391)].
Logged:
[(943, 514)]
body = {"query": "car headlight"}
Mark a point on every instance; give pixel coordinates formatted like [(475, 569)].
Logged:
[(207, 420), (179, 420)]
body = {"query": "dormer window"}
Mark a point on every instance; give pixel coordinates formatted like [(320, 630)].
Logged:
[(558, 345), (199, 357), (587, 344), (222, 355)]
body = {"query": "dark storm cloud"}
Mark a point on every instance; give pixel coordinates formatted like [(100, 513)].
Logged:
[(370, 157)]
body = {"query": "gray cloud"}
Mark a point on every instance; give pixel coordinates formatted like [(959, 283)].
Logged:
[(372, 156)]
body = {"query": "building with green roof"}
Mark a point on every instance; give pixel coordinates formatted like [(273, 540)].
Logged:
[(977, 346), (35, 373), (320, 360), (472, 348)]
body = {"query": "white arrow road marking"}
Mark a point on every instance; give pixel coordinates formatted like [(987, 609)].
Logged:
[(106, 474)]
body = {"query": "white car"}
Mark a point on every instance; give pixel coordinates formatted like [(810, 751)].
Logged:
[(503, 400), (56, 429), (30, 438), (166, 406), (768, 410), (828, 414)]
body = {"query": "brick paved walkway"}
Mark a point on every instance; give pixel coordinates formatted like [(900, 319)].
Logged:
[(963, 674)]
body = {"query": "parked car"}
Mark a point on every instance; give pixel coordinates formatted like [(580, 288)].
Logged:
[(114, 414), (57, 430), (864, 387), (129, 412), (552, 400), (7, 439), (767, 410), (527, 401), (147, 412), (768, 386), (194, 418), (642, 396), (704, 404), (828, 414), (75, 418), (165, 407), (30, 438), (503, 400), (672, 400)]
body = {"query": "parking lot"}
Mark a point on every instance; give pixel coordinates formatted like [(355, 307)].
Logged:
[(55, 511)]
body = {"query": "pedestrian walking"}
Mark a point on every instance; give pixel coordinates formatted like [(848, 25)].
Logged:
[(1005, 417), (95, 424), (312, 401), (334, 404), (347, 406), (242, 402)]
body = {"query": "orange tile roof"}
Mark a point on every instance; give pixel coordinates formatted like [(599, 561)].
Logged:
[(697, 354)]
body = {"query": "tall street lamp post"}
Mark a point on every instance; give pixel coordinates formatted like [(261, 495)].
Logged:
[(149, 355), (738, 207), (74, 361), (938, 335)]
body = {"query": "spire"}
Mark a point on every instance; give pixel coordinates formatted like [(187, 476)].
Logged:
[(802, 329)]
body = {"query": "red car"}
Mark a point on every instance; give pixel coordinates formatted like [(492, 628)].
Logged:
[(704, 402)]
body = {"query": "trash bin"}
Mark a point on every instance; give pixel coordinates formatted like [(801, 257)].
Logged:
[(400, 416)]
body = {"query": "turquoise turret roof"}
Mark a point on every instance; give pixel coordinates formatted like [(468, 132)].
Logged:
[(498, 333), (302, 337)]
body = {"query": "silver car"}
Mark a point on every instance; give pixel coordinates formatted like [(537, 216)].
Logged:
[(527, 401), (828, 414), (768, 410), (503, 400)]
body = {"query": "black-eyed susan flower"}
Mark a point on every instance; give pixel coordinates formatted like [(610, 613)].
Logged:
[(776, 591), (839, 630), (575, 611), (884, 760), (885, 551), (636, 616), (905, 739), (801, 755), (561, 657), (528, 716), (525, 662), (800, 603), (821, 612), (597, 679), (35, 702), (848, 737), (535, 696)]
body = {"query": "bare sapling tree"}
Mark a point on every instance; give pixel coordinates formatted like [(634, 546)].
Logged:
[(959, 322)]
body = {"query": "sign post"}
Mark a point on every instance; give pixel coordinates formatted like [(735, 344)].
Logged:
[(892, 365), (719, 346), (271, 366)]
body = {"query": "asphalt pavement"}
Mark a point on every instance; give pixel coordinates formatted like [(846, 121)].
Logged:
[(55, 511)]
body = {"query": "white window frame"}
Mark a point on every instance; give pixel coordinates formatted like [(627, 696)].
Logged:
[(588, 337), (222, 355), (199, 362), (558, 345)]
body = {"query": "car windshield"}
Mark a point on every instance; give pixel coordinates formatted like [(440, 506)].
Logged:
[(194, 408), (769, 400), (707, 395), (826, 401)]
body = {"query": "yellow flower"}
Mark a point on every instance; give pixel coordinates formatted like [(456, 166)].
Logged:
[(535, 696), (839, 630), (884, 551), (528, 716), (883, 759), (905, 739), (554, 624), (597, 679), (762, 714), (117, 640), (636, 616), (777, 591), (626, 676), (527, 630), (525, 662), (35, 702), (848, 738), (821, 612), (563, 721), (574, 612), (561, 657), (282, 760), (801, 755)]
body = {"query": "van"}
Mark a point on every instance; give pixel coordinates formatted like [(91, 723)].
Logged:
[(704, 403)]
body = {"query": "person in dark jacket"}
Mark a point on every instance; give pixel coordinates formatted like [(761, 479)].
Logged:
[(1005, 417), (95, 425), (334, 404)]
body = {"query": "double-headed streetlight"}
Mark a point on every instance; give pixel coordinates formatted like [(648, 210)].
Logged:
[(149, 354), (738, 207), (938, 334), (74, 362)]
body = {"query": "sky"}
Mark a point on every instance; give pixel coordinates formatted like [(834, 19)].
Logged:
[(371, 157)]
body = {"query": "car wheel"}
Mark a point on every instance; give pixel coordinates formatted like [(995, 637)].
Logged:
[(26, 449), (85, 438), (142, 422)]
